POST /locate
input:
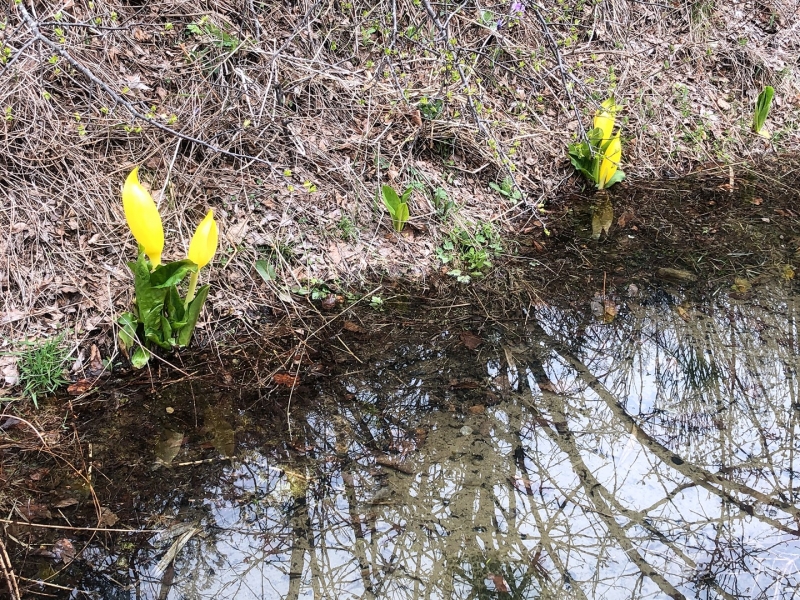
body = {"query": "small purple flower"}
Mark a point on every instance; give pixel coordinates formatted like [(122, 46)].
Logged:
[(516, 9)]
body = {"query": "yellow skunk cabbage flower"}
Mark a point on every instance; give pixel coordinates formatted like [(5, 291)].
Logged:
[(204, 241), (142, 216), (604, 118), (609, 162)]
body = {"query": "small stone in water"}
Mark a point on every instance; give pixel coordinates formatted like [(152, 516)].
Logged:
[(170, 410), (466, 430)]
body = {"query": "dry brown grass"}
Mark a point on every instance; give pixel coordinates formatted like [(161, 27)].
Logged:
[(327, 94)]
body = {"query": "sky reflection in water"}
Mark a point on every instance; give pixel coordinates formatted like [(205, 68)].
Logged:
[(563, 458)]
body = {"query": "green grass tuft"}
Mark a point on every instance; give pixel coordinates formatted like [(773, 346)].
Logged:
[(41, 368)]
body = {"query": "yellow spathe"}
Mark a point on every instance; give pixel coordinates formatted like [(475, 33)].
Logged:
[(204, 241), (604, 118), (610, 162), (142, 216)]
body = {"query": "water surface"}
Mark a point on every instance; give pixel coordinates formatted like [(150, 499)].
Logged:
[(643, 447)]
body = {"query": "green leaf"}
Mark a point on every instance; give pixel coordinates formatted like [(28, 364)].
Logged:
[(581, 163), (406, 195), (390, 199), (149, 301), (401, 217), (763, 105), (615, 178), (127, 333), (192, 314), (175, 311), (140, 357), (596, 139), (171, 273), (266, 270)]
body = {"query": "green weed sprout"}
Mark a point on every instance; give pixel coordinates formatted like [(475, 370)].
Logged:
[(599, 157), (763, 105), (397, 206), (161, 317)]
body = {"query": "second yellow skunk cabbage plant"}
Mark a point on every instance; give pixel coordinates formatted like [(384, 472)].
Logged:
[(598, 158), (161, 317)]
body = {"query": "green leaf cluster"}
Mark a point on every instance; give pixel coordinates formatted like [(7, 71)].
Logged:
[(161, 317), (586, 157), (397, 206), (763, 105)]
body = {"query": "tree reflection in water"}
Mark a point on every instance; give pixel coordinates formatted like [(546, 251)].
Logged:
[(564, 458)]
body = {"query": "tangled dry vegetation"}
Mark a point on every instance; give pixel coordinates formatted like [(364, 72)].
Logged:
[(286, 117)]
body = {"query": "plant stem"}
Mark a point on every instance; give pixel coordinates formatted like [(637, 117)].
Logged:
[(192, 287)]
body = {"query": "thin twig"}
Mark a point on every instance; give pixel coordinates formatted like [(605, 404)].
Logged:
[(8, 573), (562, 69)]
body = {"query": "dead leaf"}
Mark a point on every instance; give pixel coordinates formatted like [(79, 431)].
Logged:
[(478, 409), (352, 327), (499, 582), (107, 518), (64, 551), (66, 503), (464, 384), (81, 387), (609, 310), (741, 286), (285, 379), (470, 340)]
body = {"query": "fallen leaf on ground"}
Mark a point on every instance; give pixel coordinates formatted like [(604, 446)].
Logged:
[(470, 340), (65, 503), (285, 379), (352, 327), (81, 387)]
